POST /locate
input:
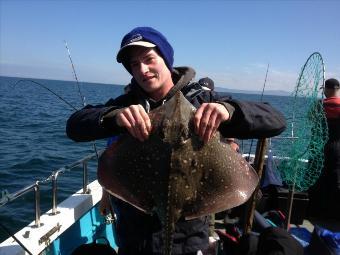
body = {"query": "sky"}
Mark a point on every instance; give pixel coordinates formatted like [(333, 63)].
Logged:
[(232, 42)]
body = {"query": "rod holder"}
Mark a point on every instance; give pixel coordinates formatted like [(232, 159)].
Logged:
[(259, 161)]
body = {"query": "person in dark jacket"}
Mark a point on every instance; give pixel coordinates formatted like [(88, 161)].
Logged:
[(332, 148), (148, 57), (324, 196), (207, 83)]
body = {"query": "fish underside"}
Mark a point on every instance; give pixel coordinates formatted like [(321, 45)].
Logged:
[(173, 173)]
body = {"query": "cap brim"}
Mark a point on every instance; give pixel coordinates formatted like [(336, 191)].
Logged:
[(122, 51), (206, 88)]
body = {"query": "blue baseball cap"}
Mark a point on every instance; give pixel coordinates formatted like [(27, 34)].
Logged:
[(146, 37)]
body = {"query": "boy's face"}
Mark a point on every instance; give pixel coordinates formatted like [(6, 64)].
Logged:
[(150, 71)]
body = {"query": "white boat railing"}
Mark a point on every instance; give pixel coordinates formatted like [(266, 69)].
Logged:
[(7, 197)]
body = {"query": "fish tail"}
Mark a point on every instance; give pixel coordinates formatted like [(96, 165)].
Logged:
[(169, 224), (168, 236)]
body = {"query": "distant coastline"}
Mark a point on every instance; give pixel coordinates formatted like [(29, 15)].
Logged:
[(255, 92), (218, 89)]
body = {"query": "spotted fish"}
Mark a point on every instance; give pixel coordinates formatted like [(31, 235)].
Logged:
[(174, 173)]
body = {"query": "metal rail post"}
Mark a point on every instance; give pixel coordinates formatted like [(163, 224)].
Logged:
[(54, 193), (85, 178), (37, 204)]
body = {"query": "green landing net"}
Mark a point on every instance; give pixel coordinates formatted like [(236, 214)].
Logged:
[(302, 153)]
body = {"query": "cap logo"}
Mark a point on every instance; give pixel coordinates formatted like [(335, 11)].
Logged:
[(135, 38)]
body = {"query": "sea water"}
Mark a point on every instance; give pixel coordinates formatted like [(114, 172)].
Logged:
[(33, 142)]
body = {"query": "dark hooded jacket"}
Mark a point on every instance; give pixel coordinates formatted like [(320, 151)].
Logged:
[(135, 229), (248, 119)]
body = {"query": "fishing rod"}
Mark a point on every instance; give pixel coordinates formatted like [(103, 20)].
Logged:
[(264, 84), (54, 93), (57, 95), (259, 162), (45, 87), (75, 74), (79, 91), (263, 88)]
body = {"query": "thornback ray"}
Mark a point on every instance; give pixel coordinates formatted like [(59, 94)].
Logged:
[(173, 173)]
